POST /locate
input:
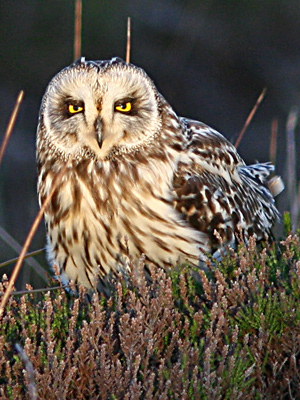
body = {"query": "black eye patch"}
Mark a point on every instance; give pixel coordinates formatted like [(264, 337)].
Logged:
[(71, 107), (127, 105)]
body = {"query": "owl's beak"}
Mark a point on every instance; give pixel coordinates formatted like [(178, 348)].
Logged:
[(98, 124)]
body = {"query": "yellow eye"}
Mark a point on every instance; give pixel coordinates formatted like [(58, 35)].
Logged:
[(125, 107), (74, 109)]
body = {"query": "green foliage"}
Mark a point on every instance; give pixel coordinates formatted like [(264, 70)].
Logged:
[(287, 223), (230, 332)]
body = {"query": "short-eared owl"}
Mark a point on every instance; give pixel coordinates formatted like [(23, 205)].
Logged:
[(139, 178)]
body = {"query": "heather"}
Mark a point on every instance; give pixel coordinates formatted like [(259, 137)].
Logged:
[(229, 332)]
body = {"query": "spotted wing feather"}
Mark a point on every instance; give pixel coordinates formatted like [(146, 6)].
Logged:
[(217, 192)]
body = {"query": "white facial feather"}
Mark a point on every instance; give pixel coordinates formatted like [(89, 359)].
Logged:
[(99, 90)]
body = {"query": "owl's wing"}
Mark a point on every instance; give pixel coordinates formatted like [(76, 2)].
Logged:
[(217, 193)]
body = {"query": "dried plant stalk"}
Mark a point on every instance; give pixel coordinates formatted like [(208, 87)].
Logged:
[(29, 372), (6, 237), (28, 255), (28, 240), (11, 124), (291, 166), (77, 30), (273, 143), (128, 44), (42, 290), (250, 117)]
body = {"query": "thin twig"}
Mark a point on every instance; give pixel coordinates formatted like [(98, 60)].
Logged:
[(77, 30), (291, 166), (13, 260), (11, 123), (4, 235), (250, 116), (28, 240), (128, 44), (273, 143), (48, 289), (29, 371)]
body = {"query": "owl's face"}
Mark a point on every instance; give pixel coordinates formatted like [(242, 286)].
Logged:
[(100, 107)]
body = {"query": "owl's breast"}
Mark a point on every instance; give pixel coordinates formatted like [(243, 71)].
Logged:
[(100, 217)]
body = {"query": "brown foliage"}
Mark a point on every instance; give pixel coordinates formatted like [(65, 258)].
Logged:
[(234, 334)]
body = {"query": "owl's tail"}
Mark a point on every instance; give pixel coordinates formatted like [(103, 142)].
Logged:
[(260, 173)]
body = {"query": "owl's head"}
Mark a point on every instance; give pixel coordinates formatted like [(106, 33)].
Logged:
[(100, 107)]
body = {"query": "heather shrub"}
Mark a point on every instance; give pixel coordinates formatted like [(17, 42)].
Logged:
[(230, 332)]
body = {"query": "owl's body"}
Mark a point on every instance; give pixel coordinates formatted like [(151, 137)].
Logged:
[(139, 180)]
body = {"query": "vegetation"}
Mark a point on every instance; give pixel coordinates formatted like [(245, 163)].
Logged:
[(230, 332)]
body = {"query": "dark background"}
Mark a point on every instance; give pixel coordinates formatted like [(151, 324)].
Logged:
[(209, 58)]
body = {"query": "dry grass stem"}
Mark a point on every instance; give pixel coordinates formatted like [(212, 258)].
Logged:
[(291, 167), (273, 143), (28, 240), (29, 372), (11, 124), (250, 117), (78, 28), (6, 237), (128, 44), (34, 291), (13, 260)]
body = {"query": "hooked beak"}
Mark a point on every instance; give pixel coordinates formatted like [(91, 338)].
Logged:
[(98, 125)]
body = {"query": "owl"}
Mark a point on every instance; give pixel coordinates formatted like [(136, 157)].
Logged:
[(139, 179)]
